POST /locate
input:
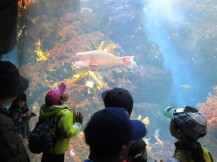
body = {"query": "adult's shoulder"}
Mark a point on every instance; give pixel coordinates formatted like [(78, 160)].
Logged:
[(6, 124), (5, 118)]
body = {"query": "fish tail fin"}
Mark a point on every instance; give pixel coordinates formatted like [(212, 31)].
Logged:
[(129, 62)]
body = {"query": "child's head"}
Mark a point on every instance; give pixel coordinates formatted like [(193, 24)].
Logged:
[(118, 97), (188, 121), (109, 133), (56, 96), (20, 100)]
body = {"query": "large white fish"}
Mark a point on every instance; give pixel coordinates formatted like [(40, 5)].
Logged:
[(98, 60)]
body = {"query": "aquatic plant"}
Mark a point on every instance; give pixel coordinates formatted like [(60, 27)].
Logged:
[(42, 56), (23, 4), (209, 109)]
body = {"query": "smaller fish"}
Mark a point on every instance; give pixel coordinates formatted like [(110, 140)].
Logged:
[(186, 87), (156, 136)]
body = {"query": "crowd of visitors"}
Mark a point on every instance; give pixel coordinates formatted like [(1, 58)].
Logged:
[(110, 133)]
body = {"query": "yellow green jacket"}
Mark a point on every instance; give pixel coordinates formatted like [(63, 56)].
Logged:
[(64, 126), (183, 155)]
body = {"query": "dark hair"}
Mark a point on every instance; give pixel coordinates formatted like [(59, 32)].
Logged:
[(127, 105), (21, 97), (121, 100), (106, 132), (118, 97)]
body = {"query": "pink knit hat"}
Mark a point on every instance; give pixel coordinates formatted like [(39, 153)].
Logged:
[(53, 96)]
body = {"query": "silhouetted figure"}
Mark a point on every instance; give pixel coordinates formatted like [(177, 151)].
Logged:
[(119, 97), (11, 85), (187, 125), (110, 132)]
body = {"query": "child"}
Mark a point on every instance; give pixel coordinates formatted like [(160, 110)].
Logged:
[(121, 98), (110, 133), (187, 126), (11, 85), (20, 115), (66, 123)]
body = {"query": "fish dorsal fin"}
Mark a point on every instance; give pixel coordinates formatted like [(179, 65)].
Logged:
[(114, 53)]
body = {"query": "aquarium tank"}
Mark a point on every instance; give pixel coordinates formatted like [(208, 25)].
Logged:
[(164, 52)]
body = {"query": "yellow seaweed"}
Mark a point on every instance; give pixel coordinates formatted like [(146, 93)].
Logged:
[(110, 47), (101, 46), (146, 121), (42, 56), (139, 117)]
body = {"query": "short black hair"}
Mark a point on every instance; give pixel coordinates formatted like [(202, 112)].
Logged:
[(118, 97)]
